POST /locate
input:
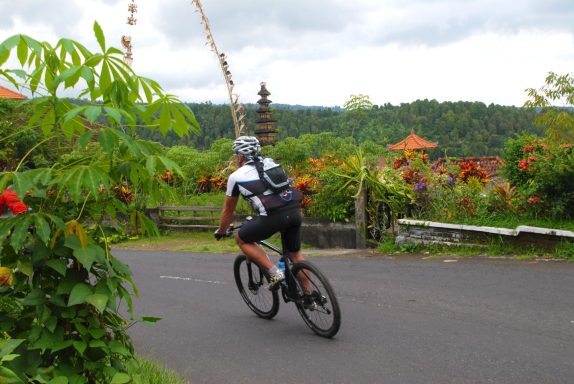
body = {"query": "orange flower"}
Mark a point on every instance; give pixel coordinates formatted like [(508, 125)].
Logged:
[(6, 278), (533, 200)]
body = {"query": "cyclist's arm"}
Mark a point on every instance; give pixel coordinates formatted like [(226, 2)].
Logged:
[(227, 212)]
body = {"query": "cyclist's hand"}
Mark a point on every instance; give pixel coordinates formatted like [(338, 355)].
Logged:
[(218, 235)]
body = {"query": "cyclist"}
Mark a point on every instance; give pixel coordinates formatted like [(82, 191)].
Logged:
[(10, 203), (277, 212)]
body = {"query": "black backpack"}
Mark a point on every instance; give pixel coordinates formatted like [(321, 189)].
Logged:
[(272, 175)]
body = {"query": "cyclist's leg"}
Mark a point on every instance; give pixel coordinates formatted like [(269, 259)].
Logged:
[(254, 252), (260, 228), (291, 239)]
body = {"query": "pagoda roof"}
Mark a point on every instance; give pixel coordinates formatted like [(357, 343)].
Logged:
[(412, 142), (263, 91), (6, 93)]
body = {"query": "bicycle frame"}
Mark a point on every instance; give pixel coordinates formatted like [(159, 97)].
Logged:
[(289, 291)]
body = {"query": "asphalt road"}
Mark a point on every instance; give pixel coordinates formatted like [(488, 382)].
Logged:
[(404, 320)]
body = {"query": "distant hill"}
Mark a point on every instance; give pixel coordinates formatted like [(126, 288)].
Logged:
[(460, 128)]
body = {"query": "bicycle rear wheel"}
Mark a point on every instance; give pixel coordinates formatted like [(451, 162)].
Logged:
[(250, 280), (317, 303)]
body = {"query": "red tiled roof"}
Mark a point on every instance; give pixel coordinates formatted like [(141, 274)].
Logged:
[(6, 93), (412, 142), (490, 164)]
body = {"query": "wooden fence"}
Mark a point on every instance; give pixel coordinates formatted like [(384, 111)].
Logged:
[(188, 217)]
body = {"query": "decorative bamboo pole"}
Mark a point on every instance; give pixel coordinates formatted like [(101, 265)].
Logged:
[(127, 39), (237, 110)]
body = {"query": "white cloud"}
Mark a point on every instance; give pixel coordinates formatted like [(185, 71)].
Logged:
[(320, 52)]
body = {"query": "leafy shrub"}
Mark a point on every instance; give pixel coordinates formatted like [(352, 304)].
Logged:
[(542, 172), (61, 289)]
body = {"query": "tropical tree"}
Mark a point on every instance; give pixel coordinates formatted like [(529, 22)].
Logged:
[(356, 107), (556, 100), (61, 290)]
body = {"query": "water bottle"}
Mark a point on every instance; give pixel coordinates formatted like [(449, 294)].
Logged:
[(281, 266)]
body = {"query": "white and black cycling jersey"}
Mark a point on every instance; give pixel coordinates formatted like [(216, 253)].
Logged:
[(246, 182)]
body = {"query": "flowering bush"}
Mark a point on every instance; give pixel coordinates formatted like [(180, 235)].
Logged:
[(470, 169), (543, 173)]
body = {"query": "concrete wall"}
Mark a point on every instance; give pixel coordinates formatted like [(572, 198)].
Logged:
[(319, 233), (428, 232), (322, 233)]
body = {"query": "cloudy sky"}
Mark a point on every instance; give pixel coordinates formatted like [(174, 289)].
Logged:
[(319, 52)]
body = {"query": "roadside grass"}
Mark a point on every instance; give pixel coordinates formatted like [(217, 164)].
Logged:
[(150, 371), (512, 222), (564, 250), (191, 241)]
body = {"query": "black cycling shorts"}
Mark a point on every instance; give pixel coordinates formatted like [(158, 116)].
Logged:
[(288, 222)]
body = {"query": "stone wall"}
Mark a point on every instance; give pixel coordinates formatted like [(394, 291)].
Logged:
[(322, 233), (319, 233), (428, 232)]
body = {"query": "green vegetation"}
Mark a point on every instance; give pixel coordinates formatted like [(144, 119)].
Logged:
[(149, 371), (60, 287), (493, 249), (460, 128)]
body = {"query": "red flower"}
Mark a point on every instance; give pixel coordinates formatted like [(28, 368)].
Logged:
[(533, 200)]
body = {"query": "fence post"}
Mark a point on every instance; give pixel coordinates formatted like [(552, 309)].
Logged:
[(361, 219)]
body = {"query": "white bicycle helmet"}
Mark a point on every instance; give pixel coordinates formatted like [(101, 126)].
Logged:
[(246, 145)]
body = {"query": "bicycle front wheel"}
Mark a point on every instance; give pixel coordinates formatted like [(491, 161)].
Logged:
[(316, 302), (250, 280)]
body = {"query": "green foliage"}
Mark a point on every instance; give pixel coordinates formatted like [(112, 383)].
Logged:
[(356, 107), (554, 98), (332, 201), (542, 173), (460, 128), (149, 371), (295, 151), (197, 165), (383, 187), (64, 323)]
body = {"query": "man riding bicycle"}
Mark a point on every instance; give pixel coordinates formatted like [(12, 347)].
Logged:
[(277, 211)]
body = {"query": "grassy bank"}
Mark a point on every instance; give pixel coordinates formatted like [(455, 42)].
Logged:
[(150, 371), (564, 250)]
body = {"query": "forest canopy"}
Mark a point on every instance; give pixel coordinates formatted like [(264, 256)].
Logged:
[(460, 128)]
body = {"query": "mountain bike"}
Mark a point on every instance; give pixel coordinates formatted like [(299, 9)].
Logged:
[(304, 284)]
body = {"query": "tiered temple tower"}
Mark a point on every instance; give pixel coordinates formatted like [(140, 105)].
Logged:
[(265, 132)]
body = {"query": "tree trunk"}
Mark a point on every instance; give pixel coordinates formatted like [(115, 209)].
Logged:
[(361, 219)]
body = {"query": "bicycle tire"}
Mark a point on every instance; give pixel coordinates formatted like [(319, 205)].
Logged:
[(325, 301), (263, 302)]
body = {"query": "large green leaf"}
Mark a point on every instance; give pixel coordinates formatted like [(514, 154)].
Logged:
[(113, 114), (100, 36), (8, 376), (9, 345), (121, 378), (86, 256), (98, 300), (59, 266), (22, 51), (20, 231), (59, 380), (108, 140), (79, 294), (22, 183), (105, 76), (35, 297), (92, 113), (42, 227), (84, 176)]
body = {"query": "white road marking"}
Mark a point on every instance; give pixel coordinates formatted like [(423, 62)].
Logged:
[(192, 279)]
